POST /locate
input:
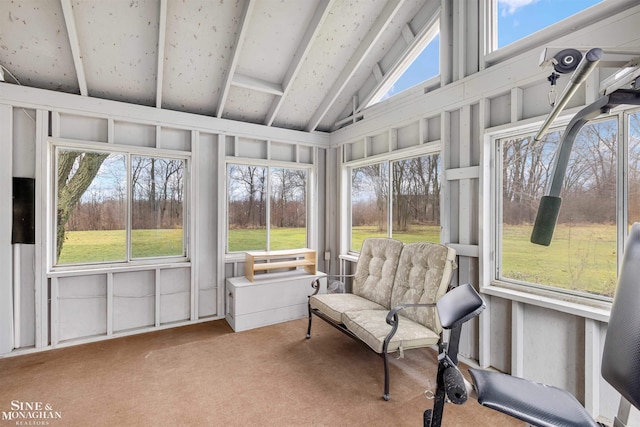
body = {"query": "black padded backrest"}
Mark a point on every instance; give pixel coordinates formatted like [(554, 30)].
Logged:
[(459, 305), (621, 356)]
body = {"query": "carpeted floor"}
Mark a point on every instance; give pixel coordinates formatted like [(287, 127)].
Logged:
[(207, 375)]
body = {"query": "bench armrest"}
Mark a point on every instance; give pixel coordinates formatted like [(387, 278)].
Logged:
[(392, 317), (315, 284)]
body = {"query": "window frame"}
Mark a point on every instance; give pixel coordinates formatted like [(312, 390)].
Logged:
[(584, 304), (493, 54), (425, 149), (269, 164), (130, 151)]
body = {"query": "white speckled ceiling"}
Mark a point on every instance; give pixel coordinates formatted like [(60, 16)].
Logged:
[(289, 63)]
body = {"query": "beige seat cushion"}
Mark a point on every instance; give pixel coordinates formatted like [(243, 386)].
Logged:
[(424, 272), (371, 327), (376, 269), (333, 305)]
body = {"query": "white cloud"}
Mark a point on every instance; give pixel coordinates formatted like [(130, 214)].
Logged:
[(510, 6)]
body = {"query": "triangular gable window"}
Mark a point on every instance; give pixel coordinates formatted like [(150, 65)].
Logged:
[(425, 66), (416, 69)]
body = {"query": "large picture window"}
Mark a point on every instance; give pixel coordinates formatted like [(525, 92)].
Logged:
[(583, 255), (267, 207), (117, 206), (411, 214)]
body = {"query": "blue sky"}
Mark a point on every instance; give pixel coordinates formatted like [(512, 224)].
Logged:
[(516, 19)]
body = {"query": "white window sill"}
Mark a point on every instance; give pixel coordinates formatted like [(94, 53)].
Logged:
[(575, 305)]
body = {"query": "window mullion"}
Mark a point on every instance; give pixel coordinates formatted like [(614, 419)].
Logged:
[(390, 198), (129, 207), (268, 208)]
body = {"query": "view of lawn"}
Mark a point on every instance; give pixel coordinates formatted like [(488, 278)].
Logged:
[(579, 258), (109, 245)]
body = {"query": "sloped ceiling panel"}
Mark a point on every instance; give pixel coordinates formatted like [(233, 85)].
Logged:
[(198, 46), (347, 24), (388, 51), (247, 105), (122, 64), (34, 41), (289, 63)]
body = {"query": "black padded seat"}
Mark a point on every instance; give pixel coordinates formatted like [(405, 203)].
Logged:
[(537, 404)]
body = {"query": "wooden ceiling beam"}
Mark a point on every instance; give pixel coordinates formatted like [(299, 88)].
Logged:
[(72, 32), (243, 27), (377, 29)]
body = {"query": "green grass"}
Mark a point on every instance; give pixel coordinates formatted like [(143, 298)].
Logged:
[(104, 246), (579, 258)]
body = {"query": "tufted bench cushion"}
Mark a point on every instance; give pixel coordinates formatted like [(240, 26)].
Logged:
[(376, 269), (422, 277), (334, 305), (371, 328)]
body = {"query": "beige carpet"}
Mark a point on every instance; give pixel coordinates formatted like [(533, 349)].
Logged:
[(207, 375)]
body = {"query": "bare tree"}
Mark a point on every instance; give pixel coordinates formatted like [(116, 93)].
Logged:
[(76, 171)]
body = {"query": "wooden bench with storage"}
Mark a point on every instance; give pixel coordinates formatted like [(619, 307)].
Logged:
[(282, 259)]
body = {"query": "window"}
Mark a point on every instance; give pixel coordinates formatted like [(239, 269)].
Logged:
[(634, 168), (267, 208), (425, 66), (517, 19), (582, 257), (411, 214), (117, 206)]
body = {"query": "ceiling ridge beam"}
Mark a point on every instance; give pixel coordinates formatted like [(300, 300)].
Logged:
[(313, 28), (375, 32), (74, 43), (405, 59), (254, 83), (162, 32), (235, 56)]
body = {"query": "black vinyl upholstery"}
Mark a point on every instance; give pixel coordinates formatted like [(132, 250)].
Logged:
[(538, 404), (543, 405), (621, 357)]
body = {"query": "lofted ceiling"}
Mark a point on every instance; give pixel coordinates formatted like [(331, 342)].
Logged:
[(296, 64)]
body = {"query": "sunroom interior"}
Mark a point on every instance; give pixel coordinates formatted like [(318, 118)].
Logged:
[(153, 143)]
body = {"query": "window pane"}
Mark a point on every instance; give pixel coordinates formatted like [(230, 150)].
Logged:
[(369, 204), (582, 254), (157, 206), (520, 18), (425, 66), (288, 209), (246, 195), (416, 199), (91, 207), (634, 168)]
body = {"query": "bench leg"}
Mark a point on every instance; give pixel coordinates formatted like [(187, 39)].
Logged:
[(386, 377), (309, 327)]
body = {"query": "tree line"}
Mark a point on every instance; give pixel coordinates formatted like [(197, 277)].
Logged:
[(415, 190), (589, 188), (92, 192), (247, 196)]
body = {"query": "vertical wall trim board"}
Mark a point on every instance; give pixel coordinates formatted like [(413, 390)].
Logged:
[(6, 222), (445, 202), (158, 289), (109, 304), (517, 339), (55, 312), (222, 227), (592, 367), (43, 252), (195, 218)]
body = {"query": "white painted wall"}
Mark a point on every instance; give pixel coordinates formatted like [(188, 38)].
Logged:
[(93, 304)]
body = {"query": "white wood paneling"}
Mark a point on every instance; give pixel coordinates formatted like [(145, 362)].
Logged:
[(6, 221)]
